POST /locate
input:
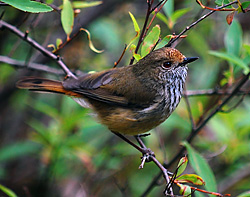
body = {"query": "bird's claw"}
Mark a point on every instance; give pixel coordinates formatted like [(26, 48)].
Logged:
[(147, 155)]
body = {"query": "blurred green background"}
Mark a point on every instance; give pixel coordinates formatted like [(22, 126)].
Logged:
[(51, 146)]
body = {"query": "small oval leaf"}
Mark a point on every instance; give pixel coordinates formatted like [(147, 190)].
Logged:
[(201, 167), (84, 4), (233, 38), (150, 40), (7, 191), (58, 42), (185, 190), (29, 6), (67, 17), (182, 165), (231, 58), (136, 26), (230, 18), (191, 178)]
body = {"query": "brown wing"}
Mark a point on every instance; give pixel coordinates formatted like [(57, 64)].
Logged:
[(96, 86)]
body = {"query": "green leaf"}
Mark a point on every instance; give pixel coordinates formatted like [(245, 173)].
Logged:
[(7, 191), (168, 8), (185, 190), (19, 149), (91, 45), (137, 30), (58, 42), (182, 165), (49, 1), (247, 48), (179, 13), (52, 46), (136, 26), (245, 4), (150, 40), (221, 2), (162, 17), (29, 6), (137, 57), (45, 108), (233, 38), (245, 194), (201, 167), (231, 58), (163, 42), (84, 4), (199, 43), (246, 59), (191, 178), (67, 17)]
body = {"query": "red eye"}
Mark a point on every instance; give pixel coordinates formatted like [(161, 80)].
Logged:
[(167, 64)]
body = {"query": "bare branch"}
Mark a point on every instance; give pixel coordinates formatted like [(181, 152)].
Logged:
[(212, 92), (37, 46), (196, 22), (32, 66), (145, 27), (189, 109), (35, 66)]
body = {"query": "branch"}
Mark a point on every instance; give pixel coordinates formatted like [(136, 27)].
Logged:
[(37, 46), (215, 9), (145, 27), (189, 108), (151, 157), (147, 156), (211, 92), (196, 22), (32, 66), (35, 66)]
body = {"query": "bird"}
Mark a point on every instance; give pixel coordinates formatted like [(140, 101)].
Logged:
[(129, 100)]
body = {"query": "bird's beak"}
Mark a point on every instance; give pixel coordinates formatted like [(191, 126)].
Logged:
[(188, 60)]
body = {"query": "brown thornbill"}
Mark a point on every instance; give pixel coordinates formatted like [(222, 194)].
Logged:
[(131, 99)]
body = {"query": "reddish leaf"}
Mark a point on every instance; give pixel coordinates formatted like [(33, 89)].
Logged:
[(185, 190), (182, 165), (191, 178), (230, 18)]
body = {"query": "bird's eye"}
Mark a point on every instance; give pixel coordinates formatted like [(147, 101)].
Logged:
[(167, 64)]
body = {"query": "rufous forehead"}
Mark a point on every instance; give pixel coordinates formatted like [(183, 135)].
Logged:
[(174, 54)]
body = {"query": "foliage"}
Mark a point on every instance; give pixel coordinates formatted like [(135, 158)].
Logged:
[(29, 6), (52, 139)]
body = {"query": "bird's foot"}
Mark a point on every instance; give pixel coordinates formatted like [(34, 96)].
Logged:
[(147, 155)]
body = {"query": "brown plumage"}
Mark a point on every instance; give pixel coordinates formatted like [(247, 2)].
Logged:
[(128, 100)]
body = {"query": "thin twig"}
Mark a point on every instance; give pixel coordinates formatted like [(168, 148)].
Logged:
[(32, 66), (129, 142), (196, 22), (169, 190), (37, 46), (234, 107), (145, 26), (143, 30), (212, 92), (188, 108), (35, 66), (118, 61), (215, 9)]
